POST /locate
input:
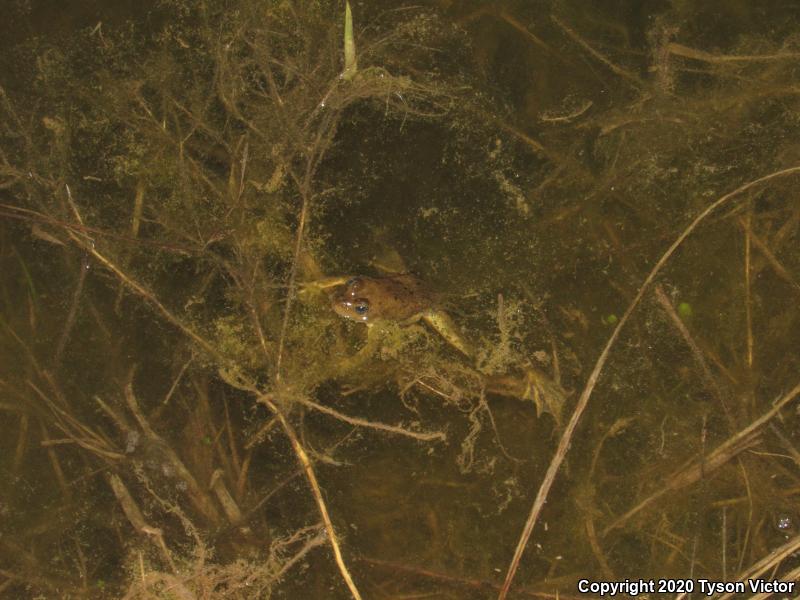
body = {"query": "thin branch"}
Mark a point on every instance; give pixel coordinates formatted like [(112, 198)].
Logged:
[(418, 435), (711, 382), (748, 300), (693, 53), (583, 44), (302, 457)]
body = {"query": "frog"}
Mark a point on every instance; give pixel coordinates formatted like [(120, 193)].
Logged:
[(404, 299), (400, 298)]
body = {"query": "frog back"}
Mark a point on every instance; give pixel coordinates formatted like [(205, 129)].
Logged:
[(397, 297)]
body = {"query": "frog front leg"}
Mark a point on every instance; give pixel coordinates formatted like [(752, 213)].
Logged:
[(371, 347), (374, 362), (442, 324)]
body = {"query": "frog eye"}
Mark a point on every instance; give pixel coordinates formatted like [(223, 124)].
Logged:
[(353, 284), (361, 307)]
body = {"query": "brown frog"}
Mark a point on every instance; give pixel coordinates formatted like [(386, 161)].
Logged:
[(403, 298), (399, 298)]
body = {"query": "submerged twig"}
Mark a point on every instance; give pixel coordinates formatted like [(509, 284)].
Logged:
[(88, 245), (424, 436), (711, 381), (311, 476), (767, 563), (197, 493), (73, 311), (748, 300), (701, 55), (597, 55), (136, 518), (291, 285), (773, 261)]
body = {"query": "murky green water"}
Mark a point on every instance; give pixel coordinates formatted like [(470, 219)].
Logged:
[(179, 182)]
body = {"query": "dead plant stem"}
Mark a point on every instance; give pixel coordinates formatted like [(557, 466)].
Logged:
[(765, 250), (711, 382), (708, 463), (624, 73), (302, 457), (745, 543), (298, 246), (693, 53), (55, 463), (748, 301), (419, 435), (770, 561), (73, 312)]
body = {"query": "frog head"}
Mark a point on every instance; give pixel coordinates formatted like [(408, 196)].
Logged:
[(350, 303)]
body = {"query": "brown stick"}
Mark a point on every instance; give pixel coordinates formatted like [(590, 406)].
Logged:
[(292, 279), (748, 302), (693, 53), (22, 443), (88, 245), (423, 436), (776, 265), (583, 44), (73, 312), (711, 382), (54, 462), (311, 476), (136, 518), (197, 494), (476, 584)]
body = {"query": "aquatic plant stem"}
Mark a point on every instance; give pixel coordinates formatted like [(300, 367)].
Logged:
[(87, 244), (770, 257), (569, 430), (424, 436), (304, 188), (711, 382), (291, 286), (300, 452), (630, 76), (302, 457), (748, 300), (73, 312)]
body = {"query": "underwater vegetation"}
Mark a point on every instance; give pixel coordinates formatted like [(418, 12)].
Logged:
[(455, 300)]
